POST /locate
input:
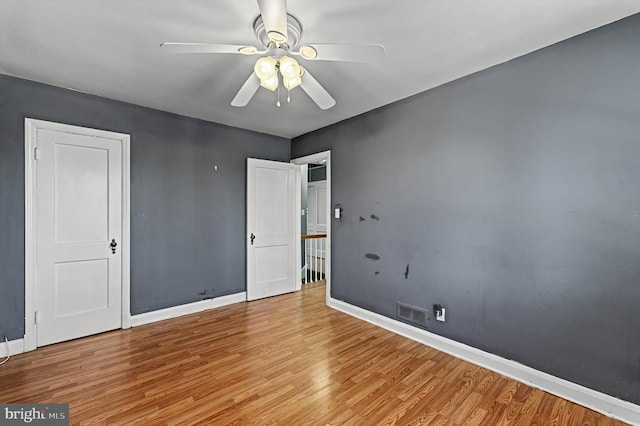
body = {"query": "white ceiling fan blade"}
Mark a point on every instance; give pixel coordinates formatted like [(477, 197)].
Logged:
[(344, 52), (246, 92), (207, 48), (274, 16), (316, 92)]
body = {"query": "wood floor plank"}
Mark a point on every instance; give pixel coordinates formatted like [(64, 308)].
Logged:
[(476, 417), (283, 360)]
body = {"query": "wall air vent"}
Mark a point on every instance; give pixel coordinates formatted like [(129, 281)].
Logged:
[(411, 314)]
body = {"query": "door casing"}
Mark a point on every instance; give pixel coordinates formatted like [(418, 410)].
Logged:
[(32, 126)]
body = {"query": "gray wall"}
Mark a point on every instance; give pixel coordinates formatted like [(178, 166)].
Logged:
[(514, 197), (187, 221)]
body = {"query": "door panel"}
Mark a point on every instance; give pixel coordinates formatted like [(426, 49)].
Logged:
[(81, 188), (271, 201), (312, 207), (80, 287), (322, 208), (271, 216), (317, 205), (272, 263), (79, 196)]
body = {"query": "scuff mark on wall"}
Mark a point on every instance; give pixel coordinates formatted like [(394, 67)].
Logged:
[(406, 272), (205, 294), (372, 256), (362, 219), (376, 273), (374, 217)]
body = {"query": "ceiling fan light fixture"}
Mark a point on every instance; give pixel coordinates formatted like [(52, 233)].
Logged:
[(277, 36), (289, 67), (270, 83), (248, 50), (265, 68), (291, 83), (308, 52)]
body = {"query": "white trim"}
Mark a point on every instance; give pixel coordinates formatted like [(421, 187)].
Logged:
[(597, 401), (15, 347), (31, 127), (126, 232), (314, 158), (298, 224), (30, 136), (186, 309)]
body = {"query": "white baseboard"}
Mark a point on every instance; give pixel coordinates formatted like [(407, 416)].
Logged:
[(597, 401), (15, 347), (189, 308)]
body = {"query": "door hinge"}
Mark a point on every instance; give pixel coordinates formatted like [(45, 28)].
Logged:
[(35, 317), (36, 153)]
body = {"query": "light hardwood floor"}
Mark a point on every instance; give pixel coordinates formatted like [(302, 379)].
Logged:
[(286, 360)]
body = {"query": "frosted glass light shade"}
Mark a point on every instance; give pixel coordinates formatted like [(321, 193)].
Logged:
[(308, 52), (248, 50), (265, 68), (291, 83), (289, 67), (270, 83), (277, 36)]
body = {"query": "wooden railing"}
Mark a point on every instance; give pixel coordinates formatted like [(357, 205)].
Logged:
[(314, 256)]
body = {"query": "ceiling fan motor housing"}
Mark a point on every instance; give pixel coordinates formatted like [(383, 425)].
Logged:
[(294, 31)]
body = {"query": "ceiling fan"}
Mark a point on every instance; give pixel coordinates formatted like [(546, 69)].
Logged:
[(279, 35)]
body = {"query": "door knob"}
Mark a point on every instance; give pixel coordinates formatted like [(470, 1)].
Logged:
[(253, 237), (113, 246)]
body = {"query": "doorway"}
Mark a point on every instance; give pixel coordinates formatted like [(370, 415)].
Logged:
[(77, 232), (318, 218)]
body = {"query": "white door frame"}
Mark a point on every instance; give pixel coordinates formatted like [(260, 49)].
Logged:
[(308, 159), (31, 128)]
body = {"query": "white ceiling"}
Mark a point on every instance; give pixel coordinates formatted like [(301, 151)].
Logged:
[(110, 48)]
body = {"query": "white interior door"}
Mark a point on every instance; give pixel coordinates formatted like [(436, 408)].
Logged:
[(79, 213), (317, 206), (271, 228)]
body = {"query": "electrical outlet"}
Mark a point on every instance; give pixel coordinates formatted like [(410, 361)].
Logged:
[(439, 312)]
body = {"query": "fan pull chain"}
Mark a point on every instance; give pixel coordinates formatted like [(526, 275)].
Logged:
[(278, 103), (288, 95)]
